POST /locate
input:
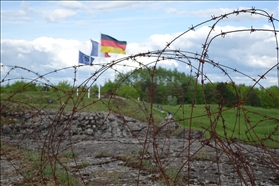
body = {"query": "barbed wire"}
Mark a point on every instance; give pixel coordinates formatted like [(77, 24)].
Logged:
[(170, 152)]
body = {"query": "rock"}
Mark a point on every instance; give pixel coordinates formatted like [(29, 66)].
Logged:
[(112, 149), (89, 132), (6, 129)]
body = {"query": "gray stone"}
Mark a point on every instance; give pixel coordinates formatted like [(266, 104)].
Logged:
[(89, 132), (115, 146), (6, 129)]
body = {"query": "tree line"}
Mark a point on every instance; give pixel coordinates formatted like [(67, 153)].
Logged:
[(166, 86)]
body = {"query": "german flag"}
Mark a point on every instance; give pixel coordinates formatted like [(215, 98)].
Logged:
[(112, 45)]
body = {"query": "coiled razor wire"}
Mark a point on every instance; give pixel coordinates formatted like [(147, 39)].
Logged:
[(226, 145)]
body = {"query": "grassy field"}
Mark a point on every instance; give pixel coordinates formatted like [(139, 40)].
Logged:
[(247, 123), (250, 124)]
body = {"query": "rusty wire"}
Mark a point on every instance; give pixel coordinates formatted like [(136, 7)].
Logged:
[(156, 143)]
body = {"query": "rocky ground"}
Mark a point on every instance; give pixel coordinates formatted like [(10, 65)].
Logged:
[(110, 149)]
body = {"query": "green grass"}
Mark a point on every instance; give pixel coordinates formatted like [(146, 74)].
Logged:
[(251, 124), (68, 154), (33, 158)]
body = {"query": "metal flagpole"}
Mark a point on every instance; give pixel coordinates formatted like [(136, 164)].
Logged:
[(99, 94), (89, 75), (99, 54), (78, 76)]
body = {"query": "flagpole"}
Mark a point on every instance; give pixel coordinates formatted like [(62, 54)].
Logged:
[(99, 94), (89, 75), (99, 47), (77, 77), (99, 53)]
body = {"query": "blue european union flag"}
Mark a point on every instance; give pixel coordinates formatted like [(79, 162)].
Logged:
[(84, 59)]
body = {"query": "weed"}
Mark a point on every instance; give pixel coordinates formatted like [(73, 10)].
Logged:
[(174, 177), (33, 157), (28, 175), (65, 178), (47, 171), (4, 147), (201, 155), (139, 152), (84, 163), (147, 164), (116, 179), (68, 154), (101, 154)]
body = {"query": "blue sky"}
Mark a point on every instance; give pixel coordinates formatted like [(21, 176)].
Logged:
[(47, 35)]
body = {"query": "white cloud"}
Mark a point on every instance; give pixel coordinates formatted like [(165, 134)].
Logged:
[(50, 52), (64, 52), (19, 15), (82, 23), (175, 11), (58, 15), (172, 11), (45, 44), (115, 5), (261, 61), (159, 41), (72, 5), (239, 50), (210, 13), (242, 50), (95, 7), (15, 16), (21, 46), (26, 8), (4, 69), (20, 56)]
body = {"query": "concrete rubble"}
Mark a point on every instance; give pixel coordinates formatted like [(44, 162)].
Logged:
[(112, 149)]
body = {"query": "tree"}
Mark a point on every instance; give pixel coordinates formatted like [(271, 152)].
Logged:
[(172, 100), (227, 97), (21, 86), (210, 94), (271, 97), (109, 87), (127, 91), (253, 98), (64, 85), (189, 91)]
